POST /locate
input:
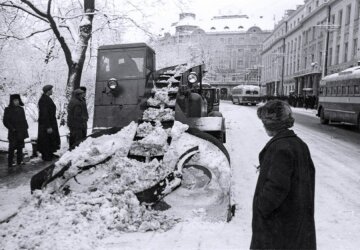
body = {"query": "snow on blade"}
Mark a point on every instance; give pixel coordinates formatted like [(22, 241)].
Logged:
[(95, 150)]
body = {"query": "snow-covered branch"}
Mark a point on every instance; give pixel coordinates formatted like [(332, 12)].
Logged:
[(12, 5)]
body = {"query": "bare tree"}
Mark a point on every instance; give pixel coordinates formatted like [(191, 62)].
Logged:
[(74, 59)]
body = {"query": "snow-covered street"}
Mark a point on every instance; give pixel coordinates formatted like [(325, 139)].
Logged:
[(337, 208)]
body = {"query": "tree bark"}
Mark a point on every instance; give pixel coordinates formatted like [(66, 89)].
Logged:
[(79, 53)]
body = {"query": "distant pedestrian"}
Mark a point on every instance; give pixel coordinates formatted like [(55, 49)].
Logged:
[(15, 121), (48, 132), (77, 118), (283, 205)]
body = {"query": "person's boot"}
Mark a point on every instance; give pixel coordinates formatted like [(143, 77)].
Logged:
[(19, 157), (11, 158)]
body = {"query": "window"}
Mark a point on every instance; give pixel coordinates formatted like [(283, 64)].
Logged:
[(329, 62), (332, 19), (357, 9), (339, 90), (357, 90), (351, 90), (355, 47), (337, 52), (320, 58), (313, 35), (346, 52), (344, 90), (348, 12), (340, 17)]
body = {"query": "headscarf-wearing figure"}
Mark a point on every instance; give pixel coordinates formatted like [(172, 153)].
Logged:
[(77, 118), (283, 205), (48, 132), (15, 121)]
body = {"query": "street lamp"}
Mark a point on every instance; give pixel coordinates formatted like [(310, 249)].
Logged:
[(328, 27), (278, 55)]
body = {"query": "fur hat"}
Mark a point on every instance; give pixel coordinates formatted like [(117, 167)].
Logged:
[(46, 88), (83, 88), (276, 115), (16, 96)]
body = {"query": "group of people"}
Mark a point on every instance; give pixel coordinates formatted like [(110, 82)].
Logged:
[(48, 140), (307, 101)]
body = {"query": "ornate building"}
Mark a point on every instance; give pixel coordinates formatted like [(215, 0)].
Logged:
[(229, 45), (318, 38)]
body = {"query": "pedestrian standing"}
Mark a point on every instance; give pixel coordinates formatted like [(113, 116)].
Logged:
[(48, 132), (283, 205), (77, 118), (86, 114), (15, 121)]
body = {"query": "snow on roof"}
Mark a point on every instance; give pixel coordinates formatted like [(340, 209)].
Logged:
[(232, 23), (349, 73), (223, 23), (187, 19)]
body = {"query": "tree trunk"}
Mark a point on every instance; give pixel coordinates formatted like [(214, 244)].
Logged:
[(79, 53)]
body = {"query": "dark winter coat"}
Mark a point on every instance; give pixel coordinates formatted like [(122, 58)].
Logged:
[(77, 113), (283, 205), (15, 121), (47, 143)]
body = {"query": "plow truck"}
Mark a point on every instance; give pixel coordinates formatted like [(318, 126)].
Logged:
[(156, 133)]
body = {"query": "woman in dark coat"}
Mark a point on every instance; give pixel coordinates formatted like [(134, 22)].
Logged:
[(15, 121), (283, 205), (48, 132)]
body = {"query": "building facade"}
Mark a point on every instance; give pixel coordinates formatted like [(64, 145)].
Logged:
[(318, 38), (229, 45)]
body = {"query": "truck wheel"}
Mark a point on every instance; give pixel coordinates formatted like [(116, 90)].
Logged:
[(232, 99), (322, 117)]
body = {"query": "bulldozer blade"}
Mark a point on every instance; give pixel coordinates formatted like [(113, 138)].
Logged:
[(169, 183)]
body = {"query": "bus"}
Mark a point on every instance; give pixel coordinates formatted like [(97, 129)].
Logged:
[(339, 97), (245, 94)]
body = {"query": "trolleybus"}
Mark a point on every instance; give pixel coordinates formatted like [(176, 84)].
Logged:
[(339, 97), (246, 94)]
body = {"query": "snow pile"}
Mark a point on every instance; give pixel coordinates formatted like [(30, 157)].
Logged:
[(161, 97), (57, 221), (144, 129), (95, 150), (153, 114), (155, 143)]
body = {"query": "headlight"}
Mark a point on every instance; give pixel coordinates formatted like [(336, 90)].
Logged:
[(112, 84), (192, 78)]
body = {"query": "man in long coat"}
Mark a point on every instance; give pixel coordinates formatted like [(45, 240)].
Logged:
[(283, 205), (15, 121), (48, 132), (77, 118)]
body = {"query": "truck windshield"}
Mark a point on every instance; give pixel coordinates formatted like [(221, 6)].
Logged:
[(120, 64)]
